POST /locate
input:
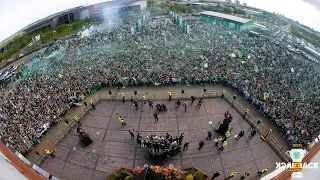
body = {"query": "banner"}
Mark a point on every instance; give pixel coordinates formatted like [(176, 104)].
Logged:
[(188, 29), (96, 9)]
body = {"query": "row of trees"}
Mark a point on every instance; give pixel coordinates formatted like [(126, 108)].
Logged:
[(314, 39), (190, 9), (19, 43), (46, 35)]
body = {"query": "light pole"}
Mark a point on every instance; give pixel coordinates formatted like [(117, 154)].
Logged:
[(110, 93), (233, 99), (182, 92), (204, 91)]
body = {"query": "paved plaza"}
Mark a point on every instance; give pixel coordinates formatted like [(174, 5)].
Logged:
[(113, 146)]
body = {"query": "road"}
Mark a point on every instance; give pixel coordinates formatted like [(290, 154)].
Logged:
[(284, 43), (22, 60)]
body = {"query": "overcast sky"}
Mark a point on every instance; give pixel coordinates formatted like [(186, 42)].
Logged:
[(16, 14)]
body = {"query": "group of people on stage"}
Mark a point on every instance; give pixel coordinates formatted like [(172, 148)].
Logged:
[(161, 144)]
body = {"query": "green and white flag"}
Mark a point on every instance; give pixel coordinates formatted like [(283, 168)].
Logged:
[(137, 26), (188, 29)]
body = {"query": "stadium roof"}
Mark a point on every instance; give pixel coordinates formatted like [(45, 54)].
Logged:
[(49, 18), (226, 16)]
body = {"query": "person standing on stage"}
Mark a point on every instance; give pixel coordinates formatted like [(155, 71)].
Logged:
[(170, 95), (199, 103), (123, 97), (241, 134), (224, 145), (209, 136), (215, 174), (245, 113), (185, 145), (185, 104), (155, 115), (192, 99), (92, 105), (252, 133), (122, 121), (49, 153), (219, 140), (150, 104), (245, 175), (131, 133), (201, 144), (232, 175), (263, 171)]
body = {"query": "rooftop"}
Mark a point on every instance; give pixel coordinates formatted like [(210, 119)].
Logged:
[(49, 18), (226, 16)]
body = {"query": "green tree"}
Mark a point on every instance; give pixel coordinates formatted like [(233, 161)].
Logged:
[(62, 28), (199, 175), (198, 8), (227, 10), (77, 25)]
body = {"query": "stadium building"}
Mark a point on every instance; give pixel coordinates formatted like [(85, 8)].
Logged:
[(226, 20), (100, 11)]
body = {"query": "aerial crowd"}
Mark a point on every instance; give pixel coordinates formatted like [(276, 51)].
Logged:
[(282, 86)]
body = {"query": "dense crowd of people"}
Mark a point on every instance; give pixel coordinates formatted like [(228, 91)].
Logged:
[(167, 145), (161, 53)]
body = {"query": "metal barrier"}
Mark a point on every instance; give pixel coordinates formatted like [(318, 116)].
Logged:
[(274, 144), (198, 95), (67, 128)]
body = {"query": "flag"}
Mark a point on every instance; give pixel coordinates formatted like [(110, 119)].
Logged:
[(61, 76), (204, 65), (292, 70), (265, 96), (233, 55)]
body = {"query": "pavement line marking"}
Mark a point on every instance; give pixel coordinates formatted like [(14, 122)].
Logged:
[(65, 162), (136, 148), (178, 131), (102, 140), (222, 166)]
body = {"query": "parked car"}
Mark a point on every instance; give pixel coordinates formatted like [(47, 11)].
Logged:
[(12, 68)]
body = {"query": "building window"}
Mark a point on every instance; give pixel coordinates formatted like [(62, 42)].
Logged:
[(71, 17), (65, 19)]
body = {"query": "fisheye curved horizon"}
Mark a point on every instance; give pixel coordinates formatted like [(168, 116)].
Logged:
[(151, 89)]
